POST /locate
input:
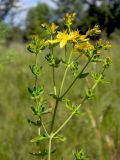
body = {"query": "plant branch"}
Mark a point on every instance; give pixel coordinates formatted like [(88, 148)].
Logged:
[(53, 70), (54, 114), (44, 128), (65, 73), (81, 72), (58, 99), (69, 118), (36, 65), (49, 149)]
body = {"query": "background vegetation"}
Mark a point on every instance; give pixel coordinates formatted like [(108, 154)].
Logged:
[(98, 130)]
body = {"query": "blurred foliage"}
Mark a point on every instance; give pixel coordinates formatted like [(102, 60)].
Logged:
[(68, 6), (106, 15), (3, 29), (15, 34), (35, 17), (6, 6), (102, 141)]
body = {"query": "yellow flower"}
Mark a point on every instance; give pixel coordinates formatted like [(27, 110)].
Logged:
[(73, 36), (83, 38), (64, 37), (61, 37), (85, 46), (94, 31)]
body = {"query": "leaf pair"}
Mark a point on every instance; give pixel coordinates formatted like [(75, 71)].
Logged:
[(71, 107), (36, 91), (80, 155), (35, 70), (52, 61), (45, 137)]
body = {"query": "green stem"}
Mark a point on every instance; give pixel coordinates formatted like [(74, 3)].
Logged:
[(53, 71), (65, 73), (58, 99), (36, 65), (65, 53), (54, 85), (44, 128), (49, 149), (77, 58), (54, 114), (37, 103), (39, 131), (69, 29), (94, 86)]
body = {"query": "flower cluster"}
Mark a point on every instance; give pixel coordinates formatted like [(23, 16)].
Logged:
[(68, 19), (81, 42), (36, 45)]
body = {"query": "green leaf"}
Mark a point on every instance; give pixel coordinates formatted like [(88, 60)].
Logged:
[(96, 58), (54, 96), (95, 76), (47, 111), (83, 75), (57, 62), (71, 107), (40, 153), (80, 155), (74, 68), (40, 110), (39, 138), (34, 110), (107, 62), (59, 137), (35, 70), (89, 94), (36, 45), (38, 123), (30, 90), (36, 91), (52, 61)]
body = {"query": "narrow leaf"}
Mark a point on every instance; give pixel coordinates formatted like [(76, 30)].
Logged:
[(83, 75), (60, 137), (39, 138)]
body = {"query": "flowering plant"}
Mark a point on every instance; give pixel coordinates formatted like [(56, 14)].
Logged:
[(76, 46)]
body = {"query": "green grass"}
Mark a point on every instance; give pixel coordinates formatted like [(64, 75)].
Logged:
[(100, 143)]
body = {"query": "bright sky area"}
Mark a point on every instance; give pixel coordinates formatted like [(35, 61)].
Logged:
[(24, 6)]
